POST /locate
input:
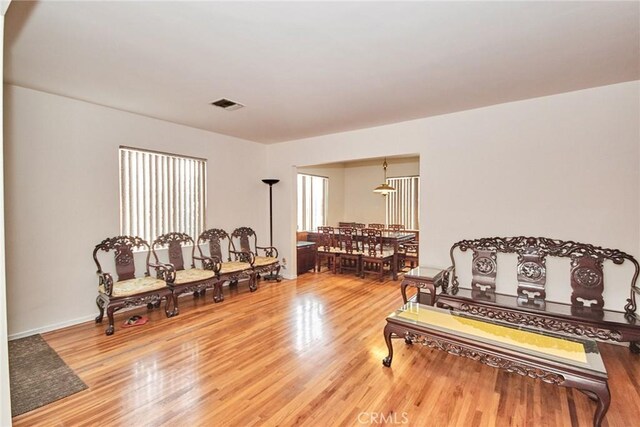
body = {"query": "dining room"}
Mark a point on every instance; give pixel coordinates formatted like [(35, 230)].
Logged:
[(359, 217)]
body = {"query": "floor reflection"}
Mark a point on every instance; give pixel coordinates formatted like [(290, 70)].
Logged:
[(310, 323), (153, 381)]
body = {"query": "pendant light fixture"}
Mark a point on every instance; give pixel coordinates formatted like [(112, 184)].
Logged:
[(384, 188)]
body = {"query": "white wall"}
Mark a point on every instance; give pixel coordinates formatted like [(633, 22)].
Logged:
[(361, 204), (563, 166), (62, 195), (5, 394)]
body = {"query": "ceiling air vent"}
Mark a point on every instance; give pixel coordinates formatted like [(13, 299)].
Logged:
[(227, 104)]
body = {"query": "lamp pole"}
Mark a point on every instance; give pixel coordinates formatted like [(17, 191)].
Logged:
[(271, 182)]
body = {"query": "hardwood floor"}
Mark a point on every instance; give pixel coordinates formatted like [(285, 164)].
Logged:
[(303, 352)]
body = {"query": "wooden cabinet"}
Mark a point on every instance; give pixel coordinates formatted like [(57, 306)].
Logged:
[(306, 256)]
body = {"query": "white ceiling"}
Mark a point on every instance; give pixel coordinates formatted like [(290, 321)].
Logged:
[(307, 69)]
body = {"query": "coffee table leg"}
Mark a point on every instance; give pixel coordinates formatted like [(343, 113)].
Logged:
[(604, 399), (403, 290), (387, 338)]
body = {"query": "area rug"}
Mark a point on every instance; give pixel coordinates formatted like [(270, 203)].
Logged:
[(38, 375)]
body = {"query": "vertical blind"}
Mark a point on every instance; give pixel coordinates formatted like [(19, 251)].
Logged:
[(160, 193), (313, 192), (403, 205)]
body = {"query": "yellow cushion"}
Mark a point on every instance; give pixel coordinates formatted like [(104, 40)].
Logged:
[(344, 252), (234, 267), (136, 286), (386, 253), (264, 260), (192, 275)]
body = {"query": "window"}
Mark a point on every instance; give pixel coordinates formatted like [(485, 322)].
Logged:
[(403, 205), (313, 194), (160, 193)]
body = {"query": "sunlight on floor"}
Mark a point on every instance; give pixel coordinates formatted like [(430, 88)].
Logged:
[(309, 321)]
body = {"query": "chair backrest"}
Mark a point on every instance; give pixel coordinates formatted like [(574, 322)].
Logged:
[(359, 225), (346, 224), (377, 226), (586, 273), (325, 242), (245, 237), (174, 242), (396, 227), (123, 252), (216, 239), (330, 232), (347, 240), (372, 240)]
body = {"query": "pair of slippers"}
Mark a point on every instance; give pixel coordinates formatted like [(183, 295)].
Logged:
[(135, 321)]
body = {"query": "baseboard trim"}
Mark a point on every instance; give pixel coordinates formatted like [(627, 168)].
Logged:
[(78, 320), (53, 327)]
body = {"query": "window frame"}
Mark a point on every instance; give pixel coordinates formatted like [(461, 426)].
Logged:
[(170, 197), (301, 210), (415, 224)]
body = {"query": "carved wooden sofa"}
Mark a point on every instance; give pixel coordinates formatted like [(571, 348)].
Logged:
[(196, 280), (233, 265), (265, 258), (129, 290), (584, 316)]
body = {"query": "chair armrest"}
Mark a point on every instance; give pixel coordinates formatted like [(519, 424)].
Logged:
[(244, 256), (442, 279), (106, 281), (210, 263), (165, 272), (269, 251)]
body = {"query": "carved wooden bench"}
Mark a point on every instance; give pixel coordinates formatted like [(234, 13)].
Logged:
[(129, 290), (584, 316)]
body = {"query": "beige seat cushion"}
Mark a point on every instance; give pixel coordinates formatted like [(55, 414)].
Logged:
[(136, 286), (193, 275), (385, 254), (342, 251), (234, 267), (261, 261)]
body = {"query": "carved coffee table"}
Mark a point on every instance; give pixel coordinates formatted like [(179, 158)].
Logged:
[(556, 359)]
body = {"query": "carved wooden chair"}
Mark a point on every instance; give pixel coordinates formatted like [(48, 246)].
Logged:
[(408, 253), (129, 290), (327, 249), (376, 256), (246, 240), (234, 265), (350, 253), (193, 279), (377, 226), (396, 227)]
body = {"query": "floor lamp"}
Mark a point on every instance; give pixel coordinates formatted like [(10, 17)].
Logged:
[(270, 182)]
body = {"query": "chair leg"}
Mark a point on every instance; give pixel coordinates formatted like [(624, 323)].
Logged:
[(278, 279), (253, 283), (173, 298), (217, 292), (110, 329), (100, 304)]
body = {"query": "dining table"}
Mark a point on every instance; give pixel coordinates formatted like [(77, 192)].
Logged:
[(389, 238)]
